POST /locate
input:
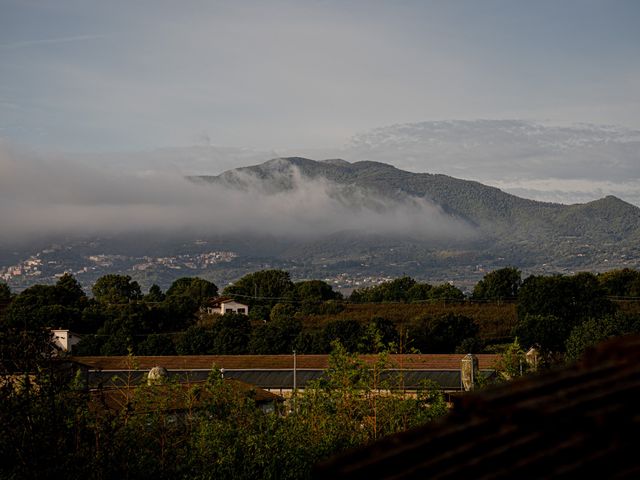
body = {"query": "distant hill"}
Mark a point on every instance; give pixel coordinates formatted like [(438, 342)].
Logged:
[(447, 229), (509, 229)]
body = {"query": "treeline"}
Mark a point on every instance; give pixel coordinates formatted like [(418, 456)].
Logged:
[(557, 314)]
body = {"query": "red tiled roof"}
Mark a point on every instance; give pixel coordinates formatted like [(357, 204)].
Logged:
[(216, 302), (240, 362)]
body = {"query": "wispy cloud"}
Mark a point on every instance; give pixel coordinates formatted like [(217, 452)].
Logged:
[(41, 196), (50, 41)]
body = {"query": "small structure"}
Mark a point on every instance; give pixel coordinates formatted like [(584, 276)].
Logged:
[(222, 305), (469, 372), (157, 376), (532, 357), (64, 340)]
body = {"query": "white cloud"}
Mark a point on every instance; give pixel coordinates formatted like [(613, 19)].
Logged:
[(44, 195)]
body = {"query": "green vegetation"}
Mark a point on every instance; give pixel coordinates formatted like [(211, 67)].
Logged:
[(54, 426), (405, 289), (402, 315), (499, 285), (213, 430)]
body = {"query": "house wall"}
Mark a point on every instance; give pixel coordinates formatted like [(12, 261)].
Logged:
[(234, 306), (64, 339)]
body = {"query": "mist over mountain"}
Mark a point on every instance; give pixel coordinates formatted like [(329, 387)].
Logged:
[(318, 219), (573, 163), (500, 228)]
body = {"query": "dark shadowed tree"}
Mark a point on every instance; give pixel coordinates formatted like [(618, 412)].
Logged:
[(546, 331), (498, 285), (157, 344), (116, 289), (196, 288), (5, 293), (265, 287), (442, 334), (596, 330), (379, 335), (347, 332), (446, 291), (231, 333), (419, 292), (277, 336), (621, 283), (571, 299), (195, 340), (155, 294), (70, 293)]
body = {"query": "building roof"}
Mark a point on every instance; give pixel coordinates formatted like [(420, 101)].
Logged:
[(173, 398), (216, 302), (575, 422), (274, 362)]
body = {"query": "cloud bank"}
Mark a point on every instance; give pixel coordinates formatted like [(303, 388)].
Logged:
[(42, 196)]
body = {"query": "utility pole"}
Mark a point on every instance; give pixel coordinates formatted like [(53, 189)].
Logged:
[(295, 383)]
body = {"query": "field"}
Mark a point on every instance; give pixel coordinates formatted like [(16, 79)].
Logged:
[(495, 319)]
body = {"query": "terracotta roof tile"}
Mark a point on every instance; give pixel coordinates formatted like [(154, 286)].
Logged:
[(202, 362)]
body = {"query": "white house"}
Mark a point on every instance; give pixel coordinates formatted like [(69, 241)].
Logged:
[(224, 305), (64, 340)]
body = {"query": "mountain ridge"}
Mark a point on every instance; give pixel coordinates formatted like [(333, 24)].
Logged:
[(538, 236)]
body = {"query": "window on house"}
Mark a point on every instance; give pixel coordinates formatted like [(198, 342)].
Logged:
[(241, 310), (228, 310)]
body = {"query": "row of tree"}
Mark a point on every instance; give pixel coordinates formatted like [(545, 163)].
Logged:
[(119, 317)]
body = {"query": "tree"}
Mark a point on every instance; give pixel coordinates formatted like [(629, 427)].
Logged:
[(114, 288), (396, 290), (275, 337), (231, 333), (155, 295), (419, 292), (195, 340), (157, 344), (378, 336), (347, 332), (596, 330), (570, 299), (41, 306), (195, 288), (621, 283), (313, 295), (446, 291), (281, 311), (261, 291), (5, 293), (70, 293), (498, 285), (547, 331), (442, 334), (176, 312), (315, 291)]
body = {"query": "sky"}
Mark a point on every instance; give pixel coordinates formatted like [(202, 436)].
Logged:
[(539, 98), (135, 75)]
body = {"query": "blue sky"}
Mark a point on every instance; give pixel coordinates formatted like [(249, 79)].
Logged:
[(136, 75)]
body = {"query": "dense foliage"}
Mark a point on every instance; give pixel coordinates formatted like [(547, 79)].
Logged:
[(53, 428), (402, 315), (405, 289)]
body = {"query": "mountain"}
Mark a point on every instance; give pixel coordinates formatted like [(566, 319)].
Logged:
[(507, 229), (352, 224), (505, 220)]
